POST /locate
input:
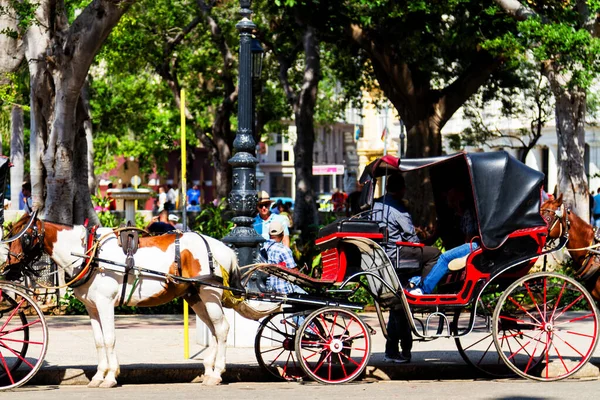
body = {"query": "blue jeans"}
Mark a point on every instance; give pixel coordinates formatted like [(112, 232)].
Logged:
[(441, 266)]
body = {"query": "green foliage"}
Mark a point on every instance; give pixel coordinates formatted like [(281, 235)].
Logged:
[(362, 296), (107, 219), (212, 220), (570, 47), (70, 305), (23, 11), (132, 117), (521, 94)]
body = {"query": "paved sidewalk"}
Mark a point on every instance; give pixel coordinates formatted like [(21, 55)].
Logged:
[(150, 350)]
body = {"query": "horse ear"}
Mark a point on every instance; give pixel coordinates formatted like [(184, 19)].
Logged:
[(560, 198)]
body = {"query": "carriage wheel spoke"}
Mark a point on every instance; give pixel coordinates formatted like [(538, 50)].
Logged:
[(20, 328), (524, 310), (564, 310), (18, 355), (557, 301), (7, 369), (542, 314), (12, 314)]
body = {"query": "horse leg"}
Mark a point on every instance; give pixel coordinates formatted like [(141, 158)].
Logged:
[(215, 364), (98, 377), (211, 351), (106, 312)]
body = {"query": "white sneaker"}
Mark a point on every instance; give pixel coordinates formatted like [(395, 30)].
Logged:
[(416, 292)]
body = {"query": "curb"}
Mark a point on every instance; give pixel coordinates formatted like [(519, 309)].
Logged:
[(178, 373)]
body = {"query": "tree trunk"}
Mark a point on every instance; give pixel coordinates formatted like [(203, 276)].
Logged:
[(85, 184), (59, 57), (424, 138), (17, 157), (11, 48), (306, 216), (570, 130)]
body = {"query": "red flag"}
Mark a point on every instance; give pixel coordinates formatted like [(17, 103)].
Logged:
[(384, 134)]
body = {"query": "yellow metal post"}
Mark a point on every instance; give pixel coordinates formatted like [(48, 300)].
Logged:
[(186, 317)]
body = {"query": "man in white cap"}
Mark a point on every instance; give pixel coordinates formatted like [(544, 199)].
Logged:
[(174, 220), (277, 253), (264, 218)]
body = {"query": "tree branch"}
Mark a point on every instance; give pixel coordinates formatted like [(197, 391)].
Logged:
[(467, 84), (515, 9)]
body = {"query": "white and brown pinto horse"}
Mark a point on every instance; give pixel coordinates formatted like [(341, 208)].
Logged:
[(583, 242), (103, 286)]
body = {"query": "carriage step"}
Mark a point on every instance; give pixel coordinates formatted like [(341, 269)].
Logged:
[(443, 326)]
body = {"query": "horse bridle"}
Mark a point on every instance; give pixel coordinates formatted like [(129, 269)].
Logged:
[(31, 249), (560, 216)]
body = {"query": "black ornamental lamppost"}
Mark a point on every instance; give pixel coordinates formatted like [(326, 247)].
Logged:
[(243, 196)]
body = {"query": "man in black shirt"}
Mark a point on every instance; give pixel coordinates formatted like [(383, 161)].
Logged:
[(160, 223)]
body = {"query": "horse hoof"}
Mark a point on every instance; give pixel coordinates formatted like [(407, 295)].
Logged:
[(211, 381), (108, 384), (94, 383)]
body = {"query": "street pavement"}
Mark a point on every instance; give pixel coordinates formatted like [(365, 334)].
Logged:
[(151, 350)]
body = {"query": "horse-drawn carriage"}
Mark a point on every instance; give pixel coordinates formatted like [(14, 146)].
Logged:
[(541, 325)]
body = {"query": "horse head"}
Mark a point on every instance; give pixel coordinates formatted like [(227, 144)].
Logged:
[(24, 246), (582, 241), (554, 213)]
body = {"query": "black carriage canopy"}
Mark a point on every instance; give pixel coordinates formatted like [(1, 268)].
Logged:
[(506, 192), (4, 168)]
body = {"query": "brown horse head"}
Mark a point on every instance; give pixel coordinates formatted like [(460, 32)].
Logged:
[(581, 241), (24, 245), (553, 212)]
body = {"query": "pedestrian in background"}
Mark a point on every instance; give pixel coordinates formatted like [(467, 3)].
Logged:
[(171, 199), (161, 200), (193, 196), (264, 218), (25, 200), (596, 212)]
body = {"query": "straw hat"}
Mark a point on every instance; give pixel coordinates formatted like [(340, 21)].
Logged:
[(263, 197)]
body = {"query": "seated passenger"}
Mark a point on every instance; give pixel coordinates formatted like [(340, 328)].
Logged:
[(277, 253), (463, 210), (391, 211)]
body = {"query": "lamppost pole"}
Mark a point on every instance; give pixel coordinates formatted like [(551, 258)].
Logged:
[(243, 196)]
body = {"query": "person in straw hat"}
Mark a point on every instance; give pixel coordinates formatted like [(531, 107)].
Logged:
[(264, 218)]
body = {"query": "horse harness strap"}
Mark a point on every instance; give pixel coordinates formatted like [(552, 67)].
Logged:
[(129, 241), (84, 271), (211, 266), (178, 254)]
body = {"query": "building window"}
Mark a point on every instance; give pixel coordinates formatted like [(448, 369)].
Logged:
[(281, 185), (545, 166), (281, 138), (281, 155)]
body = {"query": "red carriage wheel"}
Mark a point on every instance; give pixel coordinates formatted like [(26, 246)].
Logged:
[(274, 345), (550, 326), (23, 337), (333, 345), (477, 347)]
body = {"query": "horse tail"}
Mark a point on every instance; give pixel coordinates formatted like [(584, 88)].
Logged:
[(235, 275), (244, 308)]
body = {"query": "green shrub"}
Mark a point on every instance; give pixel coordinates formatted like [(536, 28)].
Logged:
[(213, 221)]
